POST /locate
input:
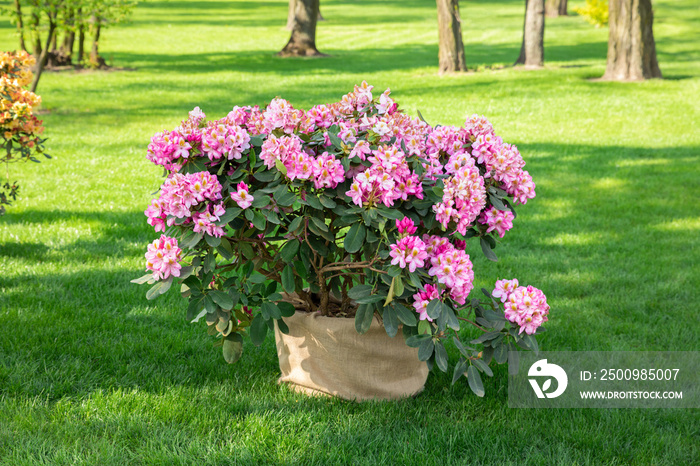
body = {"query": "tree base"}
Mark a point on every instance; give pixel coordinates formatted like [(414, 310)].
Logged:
[(300, 51)]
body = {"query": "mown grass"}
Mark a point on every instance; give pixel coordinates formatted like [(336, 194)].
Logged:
[(92, 373)]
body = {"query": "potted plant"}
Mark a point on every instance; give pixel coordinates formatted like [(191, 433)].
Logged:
[(351, 213)]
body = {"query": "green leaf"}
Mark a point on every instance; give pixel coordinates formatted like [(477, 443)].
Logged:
[(460, 369), (286, 198), (265, 175), (355, 238), (486, 248), (530, 343), (398, 286), (452, 320), (335, 140), (359, 291), (233, 347), (159, 288), (313, 201), (286, 309), (327, 202), (363, 317), (193, 308), (441, 357), (425, 350), (260, 200), (270, 309), (497, 203), (282, 325), (424, 327), (405, 315), (259, 220), (289, 250), (212, 241), (414, 341), (280, 166), (483, 367), (462, 349), (320, 224), (247, 250), (230, 214), (209, 305), (391, 322), (209, 262), (296, 223), (500, 353), (475, 382), (225, 249), (140, 281), (258, 330), (222, 299), (371, 299), (257, 278), (288, 279), (487, 337), (393, 214), (434, 308), (192, 241)]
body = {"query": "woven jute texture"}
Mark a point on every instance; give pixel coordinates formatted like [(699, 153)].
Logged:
[(326, 355)]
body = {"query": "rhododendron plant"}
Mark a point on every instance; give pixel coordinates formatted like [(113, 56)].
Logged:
[(20, 129), (353, 209)]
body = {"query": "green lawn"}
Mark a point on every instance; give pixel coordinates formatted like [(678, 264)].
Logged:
[(93, 373)]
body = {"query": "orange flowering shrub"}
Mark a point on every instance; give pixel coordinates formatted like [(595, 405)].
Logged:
[(20, 129)]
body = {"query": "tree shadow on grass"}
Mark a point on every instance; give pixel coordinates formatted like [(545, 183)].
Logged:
[(352, 61)]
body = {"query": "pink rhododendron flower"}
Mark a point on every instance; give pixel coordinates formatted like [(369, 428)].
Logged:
[(499, 220), (408, 252), (180, 196), (405, 226), (163, 258), (526, 307), (327, 171), (504, 288), (464, 197), (453, 268), (241, 196), (422, 299)]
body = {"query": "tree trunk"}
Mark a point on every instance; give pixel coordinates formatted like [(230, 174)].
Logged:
[(532, 50), (631, 46), (81, 44), (451, 47), (66, 51), (36, 20), (302, 43), (81, 36), (554, 8), (20, 25), (290, 15), (41, 62), (96, 61)]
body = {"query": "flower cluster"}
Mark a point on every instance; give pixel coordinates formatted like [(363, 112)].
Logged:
[(409, 252), (498, 220), (181, 197), (450, 266), (163, 258), (524, 306), (17, 122)]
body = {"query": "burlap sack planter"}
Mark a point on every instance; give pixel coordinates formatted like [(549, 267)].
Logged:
[(326, 355)]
